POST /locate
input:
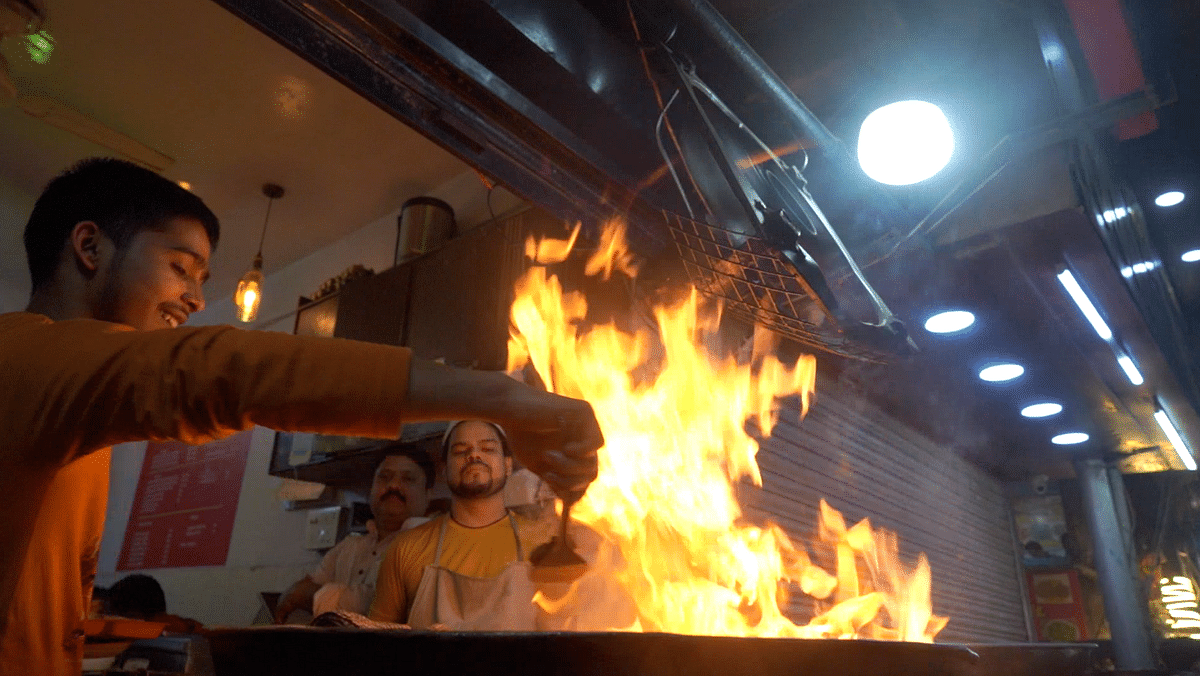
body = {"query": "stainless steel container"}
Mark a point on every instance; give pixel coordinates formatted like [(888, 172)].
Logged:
[(424, 224)]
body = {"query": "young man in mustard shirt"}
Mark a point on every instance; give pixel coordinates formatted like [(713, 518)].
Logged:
[(118, 256)]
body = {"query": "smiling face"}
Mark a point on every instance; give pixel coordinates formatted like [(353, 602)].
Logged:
[(476, 466), (154, 282)]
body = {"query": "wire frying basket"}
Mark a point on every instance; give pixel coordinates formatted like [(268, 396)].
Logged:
[(755, 283)]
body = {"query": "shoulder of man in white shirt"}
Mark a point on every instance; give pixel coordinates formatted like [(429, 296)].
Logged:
[(413, 522)]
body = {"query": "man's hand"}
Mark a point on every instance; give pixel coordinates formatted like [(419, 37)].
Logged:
[(298, 597), (556, 438), (282, 611)]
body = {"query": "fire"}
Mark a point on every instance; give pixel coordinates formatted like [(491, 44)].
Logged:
[(676, 554)]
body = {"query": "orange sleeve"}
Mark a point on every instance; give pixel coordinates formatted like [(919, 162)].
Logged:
[(77, 386)]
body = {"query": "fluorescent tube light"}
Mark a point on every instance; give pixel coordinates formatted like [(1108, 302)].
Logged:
[(1085, 304), (1131, 369), (1184, 453)]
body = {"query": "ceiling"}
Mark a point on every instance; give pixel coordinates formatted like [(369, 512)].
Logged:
[(231, 108), (999, 253), (984, 63), (235, 109)]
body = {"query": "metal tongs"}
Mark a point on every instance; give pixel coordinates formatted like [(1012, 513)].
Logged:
[(785, 214)]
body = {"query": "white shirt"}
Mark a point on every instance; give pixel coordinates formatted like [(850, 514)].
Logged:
[(347, 573)]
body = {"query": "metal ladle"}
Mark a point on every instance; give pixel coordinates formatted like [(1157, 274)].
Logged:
[(556, 560)]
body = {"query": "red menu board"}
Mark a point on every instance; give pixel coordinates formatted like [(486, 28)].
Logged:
[(185, 503)]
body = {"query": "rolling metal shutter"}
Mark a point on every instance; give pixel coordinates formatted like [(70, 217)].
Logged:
[(868, 465)]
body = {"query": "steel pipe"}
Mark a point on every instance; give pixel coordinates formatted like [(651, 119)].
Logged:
[(1128, 615), (734, 46)]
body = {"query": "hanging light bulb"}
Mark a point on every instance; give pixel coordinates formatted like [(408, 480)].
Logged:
[(249, 292), (248, 296)]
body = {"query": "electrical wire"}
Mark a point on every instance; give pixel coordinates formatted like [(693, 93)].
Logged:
[(263, 237), (667, 159)]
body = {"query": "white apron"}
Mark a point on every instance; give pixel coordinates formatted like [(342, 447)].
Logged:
[(464, 603)]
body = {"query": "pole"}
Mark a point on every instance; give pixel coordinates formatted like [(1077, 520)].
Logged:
[(1128, 616)]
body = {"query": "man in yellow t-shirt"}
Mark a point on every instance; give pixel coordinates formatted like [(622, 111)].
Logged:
[(478, 540)]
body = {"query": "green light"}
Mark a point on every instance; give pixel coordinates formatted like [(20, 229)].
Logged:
[(39, 45)]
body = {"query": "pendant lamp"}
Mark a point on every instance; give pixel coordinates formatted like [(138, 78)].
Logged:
[(249, 290)]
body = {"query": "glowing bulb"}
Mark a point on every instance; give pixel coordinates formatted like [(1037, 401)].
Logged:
[(1169, 198), (1043, 409), (905, 142), (1190, 256), (250, 298), (1070, 438), (949, 322), (249, 293), (999, 373)]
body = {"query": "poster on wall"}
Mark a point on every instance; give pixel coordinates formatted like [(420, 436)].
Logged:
[(1041, 525), (186, 500)]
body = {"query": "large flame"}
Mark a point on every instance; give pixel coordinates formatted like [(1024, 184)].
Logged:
[(680, 557)]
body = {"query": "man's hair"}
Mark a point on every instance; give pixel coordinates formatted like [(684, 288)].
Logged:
[(454, 425), (414, 453), (137, 596), (120, 197)]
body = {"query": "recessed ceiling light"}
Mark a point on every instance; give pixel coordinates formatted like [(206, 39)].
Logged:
[(1169, 199), (1051, 52), (1070, 438), (1112, 215), (949, 322), (998, 373), (1191, 256), (185, 185), (1138, 268), (1043, 409), (905, 142)]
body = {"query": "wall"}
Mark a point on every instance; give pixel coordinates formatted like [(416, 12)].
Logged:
[(264, 551), (13, 296), (14, 274)]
